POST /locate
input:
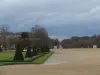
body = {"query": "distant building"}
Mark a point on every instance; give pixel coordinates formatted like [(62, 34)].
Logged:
[(94, 46)]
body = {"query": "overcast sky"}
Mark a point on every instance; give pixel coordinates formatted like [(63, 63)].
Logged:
[(59, 17)]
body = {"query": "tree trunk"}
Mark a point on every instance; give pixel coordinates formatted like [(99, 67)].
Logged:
[(34, 53), (18, 54), (28, 53), (1, 49)]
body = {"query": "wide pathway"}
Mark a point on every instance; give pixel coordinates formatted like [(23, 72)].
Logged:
[(57, 58), (63, 62)]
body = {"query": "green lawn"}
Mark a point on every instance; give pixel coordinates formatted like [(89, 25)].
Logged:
[(7, 55), (10, 55), (43, 58)]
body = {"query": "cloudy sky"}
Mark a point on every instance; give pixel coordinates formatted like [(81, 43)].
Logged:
[(59, 17)]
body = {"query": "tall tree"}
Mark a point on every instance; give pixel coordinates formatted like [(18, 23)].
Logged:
[(42, 34), (56, 42), (3, 32)]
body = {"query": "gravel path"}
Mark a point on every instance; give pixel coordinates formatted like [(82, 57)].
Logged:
[(56, 58), (63, 62)]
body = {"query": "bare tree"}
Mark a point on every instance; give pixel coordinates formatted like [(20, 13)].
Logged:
[(3, 32), (42, 34)]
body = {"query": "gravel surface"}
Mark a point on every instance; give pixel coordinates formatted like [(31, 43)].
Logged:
[(63, 62)]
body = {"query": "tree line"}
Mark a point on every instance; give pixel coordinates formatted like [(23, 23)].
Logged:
[(8, 39), (35, 42), (81, 42)]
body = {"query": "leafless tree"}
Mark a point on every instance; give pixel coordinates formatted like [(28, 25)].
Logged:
[(40, 35), (3, 33)]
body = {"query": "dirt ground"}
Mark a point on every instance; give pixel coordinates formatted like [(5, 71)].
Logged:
[(62, 62)]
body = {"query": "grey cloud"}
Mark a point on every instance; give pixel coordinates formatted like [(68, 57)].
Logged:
[(50, 13)]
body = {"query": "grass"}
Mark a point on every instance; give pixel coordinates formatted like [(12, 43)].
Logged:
[(7, 55), (43, 58), (39, 60)]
